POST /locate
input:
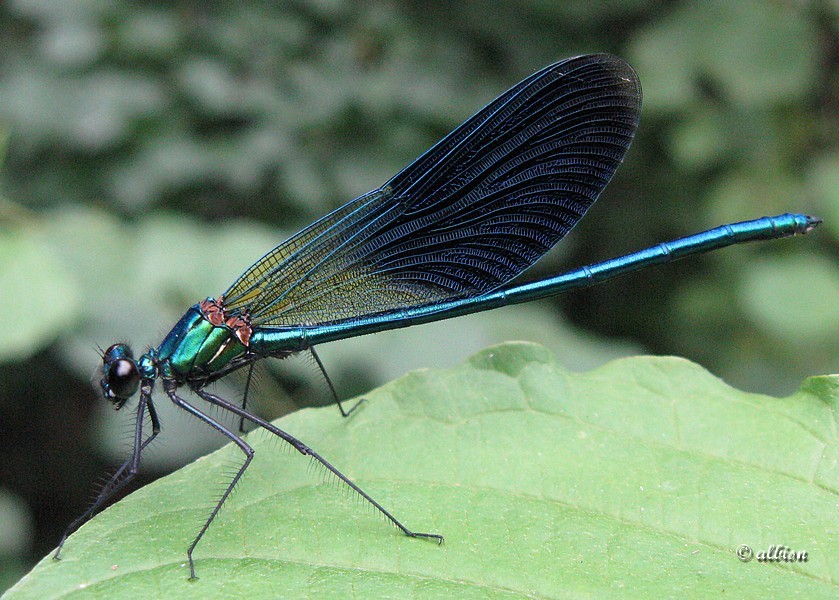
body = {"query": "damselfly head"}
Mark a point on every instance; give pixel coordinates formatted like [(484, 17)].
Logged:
[(120, 375)]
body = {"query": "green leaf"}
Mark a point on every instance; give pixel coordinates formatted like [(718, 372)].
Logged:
[(773, 290), (639, 478), (824, 186), (758, 53), (38, 297)]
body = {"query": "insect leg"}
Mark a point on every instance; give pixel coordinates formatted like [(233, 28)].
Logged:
[(155, 430), (245, 397), (171, 390), (305, 450), (129, 469), (344, 413)]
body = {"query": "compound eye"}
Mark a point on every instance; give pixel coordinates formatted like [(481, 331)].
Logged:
[(116, 351), (123, 378)]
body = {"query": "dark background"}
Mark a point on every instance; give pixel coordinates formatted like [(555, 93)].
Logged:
[(152, 151)]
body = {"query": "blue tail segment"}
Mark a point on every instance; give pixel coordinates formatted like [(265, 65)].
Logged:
[(765, 228)]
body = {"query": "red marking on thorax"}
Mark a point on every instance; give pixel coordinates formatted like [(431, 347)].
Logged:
[(213, 310)]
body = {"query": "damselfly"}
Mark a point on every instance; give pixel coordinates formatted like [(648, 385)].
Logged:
[(438, 240)]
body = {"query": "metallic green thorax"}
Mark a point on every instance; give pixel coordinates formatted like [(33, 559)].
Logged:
[(199, 345)]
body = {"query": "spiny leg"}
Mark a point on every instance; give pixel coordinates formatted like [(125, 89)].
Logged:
[(155, 430), (171, 390), (305, 450), (132, 465), (245, 397), (344, 413)]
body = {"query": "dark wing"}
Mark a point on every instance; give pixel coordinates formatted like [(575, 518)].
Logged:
[(467, 216)]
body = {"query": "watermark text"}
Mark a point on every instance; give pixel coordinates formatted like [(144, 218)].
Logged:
[(774, 554)]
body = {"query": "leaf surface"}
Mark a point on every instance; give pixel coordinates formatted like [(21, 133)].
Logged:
[(641, 477)]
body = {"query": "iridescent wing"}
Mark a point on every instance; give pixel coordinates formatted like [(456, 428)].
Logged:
[(470, 214)]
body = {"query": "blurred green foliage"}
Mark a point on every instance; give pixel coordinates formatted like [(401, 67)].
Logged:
[(151, 152)]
